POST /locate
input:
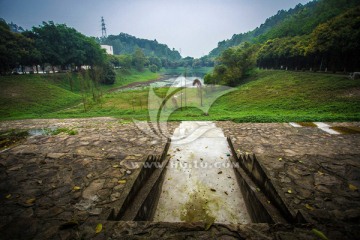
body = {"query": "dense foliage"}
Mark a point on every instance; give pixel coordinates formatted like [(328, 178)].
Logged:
[(298, 21), (319, 36), (127, 44), (234, 63)]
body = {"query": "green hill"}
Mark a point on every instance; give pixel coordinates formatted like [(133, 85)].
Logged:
[(298, 21), (126, 44)]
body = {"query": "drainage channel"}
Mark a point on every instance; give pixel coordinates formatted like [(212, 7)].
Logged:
[(200, 183), (200, 178)]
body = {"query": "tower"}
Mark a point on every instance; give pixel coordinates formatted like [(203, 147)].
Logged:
[(103, 28)]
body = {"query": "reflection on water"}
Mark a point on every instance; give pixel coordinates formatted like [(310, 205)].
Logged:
[(41, 131), (180, 81)]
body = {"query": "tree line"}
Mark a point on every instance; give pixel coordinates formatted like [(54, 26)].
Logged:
[(54, 45), (331, 46)]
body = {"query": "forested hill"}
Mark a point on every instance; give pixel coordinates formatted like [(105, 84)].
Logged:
[(126, 44), (298, 21)]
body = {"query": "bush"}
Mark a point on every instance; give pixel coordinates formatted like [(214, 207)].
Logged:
[(108, 75), (153, 68)]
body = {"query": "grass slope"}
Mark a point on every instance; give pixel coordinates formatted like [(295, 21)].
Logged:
[(32, 96), (43, 96), (267, 96), (291, 96)]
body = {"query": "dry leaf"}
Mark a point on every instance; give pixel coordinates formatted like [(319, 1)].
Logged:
[(98, 228), (8, 196), (319, 234), (280, 159), (76, 188), (289, 191), (122, 181), (30, 201), (352, 187), (320, 173), (115, 166), (309, 207)]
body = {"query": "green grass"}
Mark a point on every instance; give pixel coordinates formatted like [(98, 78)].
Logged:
[(266, 96), (42, 96), (32, 96), (125, 77)]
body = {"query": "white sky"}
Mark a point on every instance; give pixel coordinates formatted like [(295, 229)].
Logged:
[(194, 26)]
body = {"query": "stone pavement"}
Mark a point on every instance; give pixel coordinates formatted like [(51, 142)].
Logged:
[(316, 172), (62, 186), (47, 182)]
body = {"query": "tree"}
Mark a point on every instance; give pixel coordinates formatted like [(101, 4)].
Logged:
[(62, 46), (139, 59), (234, 63)]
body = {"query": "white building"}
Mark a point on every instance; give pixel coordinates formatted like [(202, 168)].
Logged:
[(108, 48)]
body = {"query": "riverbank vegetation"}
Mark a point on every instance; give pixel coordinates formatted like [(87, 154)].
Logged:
[(319, 36), (265, 96)]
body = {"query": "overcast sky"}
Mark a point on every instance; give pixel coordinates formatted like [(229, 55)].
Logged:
[(192, 26)]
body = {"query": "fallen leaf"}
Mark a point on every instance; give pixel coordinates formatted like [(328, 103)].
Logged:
[(352, 187), (76, 188), (98, 228), (319, 234), (220, 172), (30, 201), (103, 149), (320, 173), (115, 166), (238, 150), (258, 189), (268, 202), (309, 207), (8, 196), (289, 191), (280, 159), (301, 161), (122, 181), (207, 226)]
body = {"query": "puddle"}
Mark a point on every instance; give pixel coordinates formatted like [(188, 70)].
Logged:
[(41, 131), (307, 124), (200, 184)]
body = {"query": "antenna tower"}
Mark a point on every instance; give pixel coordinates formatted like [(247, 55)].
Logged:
[(103, 28)]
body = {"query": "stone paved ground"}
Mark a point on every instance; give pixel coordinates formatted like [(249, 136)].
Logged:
[(38, 176), (315, 166), (37, 179)]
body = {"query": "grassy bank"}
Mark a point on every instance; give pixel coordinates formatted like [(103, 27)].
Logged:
[(43, 96), (266, 96)]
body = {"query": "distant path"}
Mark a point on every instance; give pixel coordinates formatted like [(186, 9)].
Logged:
[(137, 84)]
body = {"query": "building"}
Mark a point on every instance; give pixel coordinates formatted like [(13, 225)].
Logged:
[(108, 48)]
